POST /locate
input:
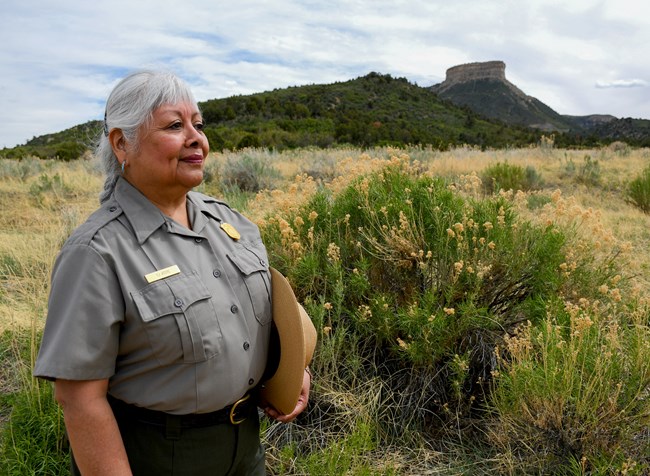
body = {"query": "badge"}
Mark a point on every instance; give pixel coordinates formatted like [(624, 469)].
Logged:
[(230, 231), (162, 274)]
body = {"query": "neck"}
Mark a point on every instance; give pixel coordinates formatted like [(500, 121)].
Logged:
[(173, 205), (176, 211)]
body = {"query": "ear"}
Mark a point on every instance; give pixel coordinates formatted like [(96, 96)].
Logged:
[(118, 144)]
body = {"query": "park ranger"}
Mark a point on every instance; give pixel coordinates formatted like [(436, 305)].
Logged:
[(160, 310)]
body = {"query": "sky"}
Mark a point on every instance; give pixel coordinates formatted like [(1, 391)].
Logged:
[(59, 60)]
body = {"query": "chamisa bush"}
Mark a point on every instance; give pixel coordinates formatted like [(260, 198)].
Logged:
[(423, 297), (639, 191), (505, 176), (249, 171)]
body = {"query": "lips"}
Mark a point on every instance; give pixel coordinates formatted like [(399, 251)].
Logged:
[(193, 159)]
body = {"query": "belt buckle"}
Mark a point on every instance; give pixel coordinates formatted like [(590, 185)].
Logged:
[(234, 409)]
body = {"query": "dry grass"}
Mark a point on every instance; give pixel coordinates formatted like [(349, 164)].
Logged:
[(606, 200), (35, 219), (38, 211)]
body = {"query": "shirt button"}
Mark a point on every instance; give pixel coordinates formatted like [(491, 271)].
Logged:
[(112, 209), (251, 381), (198, 240), (262, 262), (234, 309), (178, 303), (246, 346), (216, 273)]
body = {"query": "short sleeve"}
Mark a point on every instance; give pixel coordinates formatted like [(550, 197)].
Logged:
[(85, 311)]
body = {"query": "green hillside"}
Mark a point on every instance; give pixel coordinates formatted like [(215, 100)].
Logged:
[(371, 110), (69, 144), (374, 110)]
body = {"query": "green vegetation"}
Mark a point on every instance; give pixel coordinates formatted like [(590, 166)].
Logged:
[(462, 329), (639, 191), (249, 173), (570, 397), (373, 110), (504, 176), (33, 442), (70, 144), (503, 104), (588, 173), (462, 319), (419, 278)]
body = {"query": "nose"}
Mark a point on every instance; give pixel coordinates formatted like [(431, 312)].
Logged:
[(193, 137)]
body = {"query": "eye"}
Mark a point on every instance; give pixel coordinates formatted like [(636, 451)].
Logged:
[(175, 125), (199, 126)]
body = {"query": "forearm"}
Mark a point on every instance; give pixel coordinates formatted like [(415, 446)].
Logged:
[(94, 435)]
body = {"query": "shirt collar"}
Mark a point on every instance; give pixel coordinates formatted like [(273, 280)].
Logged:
[(198, 209), (144, 216)]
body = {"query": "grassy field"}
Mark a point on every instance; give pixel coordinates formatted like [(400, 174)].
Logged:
[(465, 328)]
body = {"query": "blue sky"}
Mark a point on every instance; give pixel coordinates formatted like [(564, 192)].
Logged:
[(59, 60)]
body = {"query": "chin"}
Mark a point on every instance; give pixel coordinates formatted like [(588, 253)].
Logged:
[(193, 181)]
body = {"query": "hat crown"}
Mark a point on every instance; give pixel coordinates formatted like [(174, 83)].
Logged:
[(297, 341)]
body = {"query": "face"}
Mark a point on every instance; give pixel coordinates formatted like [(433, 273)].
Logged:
[(169, 159)]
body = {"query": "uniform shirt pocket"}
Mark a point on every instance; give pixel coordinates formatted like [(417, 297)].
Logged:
[(179, 319), (253, 266)]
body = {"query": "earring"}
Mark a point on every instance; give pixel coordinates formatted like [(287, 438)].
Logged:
[(123, 164)]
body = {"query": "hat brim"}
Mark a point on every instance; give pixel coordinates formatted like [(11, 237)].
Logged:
[(296, 337)]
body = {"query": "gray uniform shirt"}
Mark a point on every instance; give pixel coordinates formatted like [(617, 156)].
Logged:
[(192, 340)]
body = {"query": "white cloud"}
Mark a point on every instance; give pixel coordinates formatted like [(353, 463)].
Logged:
[(622, 83), (59, 60)]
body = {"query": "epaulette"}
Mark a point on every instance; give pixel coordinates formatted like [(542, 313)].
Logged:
[(106, 213), (208, 199)]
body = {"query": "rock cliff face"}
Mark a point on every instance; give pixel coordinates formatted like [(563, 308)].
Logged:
[(474, 71), (466, 73), (483, 87)]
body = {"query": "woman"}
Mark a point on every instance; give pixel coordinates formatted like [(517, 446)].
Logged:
[(159, 314)]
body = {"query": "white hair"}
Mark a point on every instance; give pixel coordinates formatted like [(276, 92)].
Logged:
[(131, 105)]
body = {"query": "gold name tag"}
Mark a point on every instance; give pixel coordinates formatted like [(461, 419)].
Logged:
[(162, 273)]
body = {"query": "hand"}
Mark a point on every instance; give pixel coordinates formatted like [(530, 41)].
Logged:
[(303, 399)]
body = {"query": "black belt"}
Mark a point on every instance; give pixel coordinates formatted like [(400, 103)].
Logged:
[(233, 414)]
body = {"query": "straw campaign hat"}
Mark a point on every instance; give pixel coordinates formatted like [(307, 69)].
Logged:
[(292, 346)]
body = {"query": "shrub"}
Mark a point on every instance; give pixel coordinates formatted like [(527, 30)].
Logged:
[(33, 440), (424, 292), (505, 176), (573, 391), (419, 278), (536, 200), (21, 169), (50, 190), (638, 193), (589, 173), (69, 150), (215, 139), (619, 148), (248, 140), (249, 172)]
